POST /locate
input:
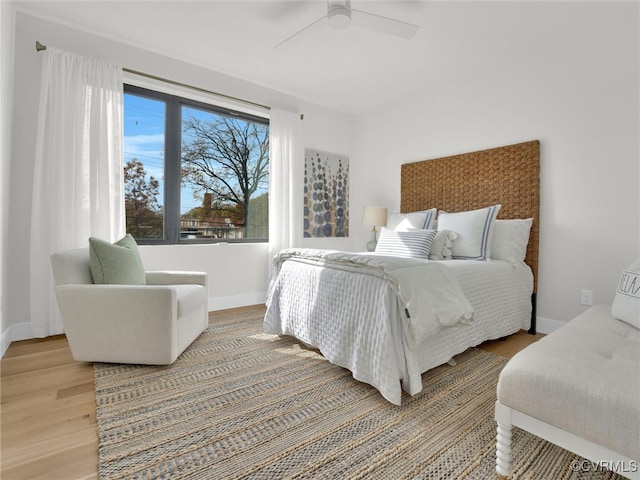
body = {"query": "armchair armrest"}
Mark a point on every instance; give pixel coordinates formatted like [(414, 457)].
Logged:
[(176, 278), (134, 323)]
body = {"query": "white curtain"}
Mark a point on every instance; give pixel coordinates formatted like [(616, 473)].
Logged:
[(286, 167), (78, 187)]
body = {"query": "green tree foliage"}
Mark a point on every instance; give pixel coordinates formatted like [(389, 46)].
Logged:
[(259, 219), (228, 158), (143, 213)]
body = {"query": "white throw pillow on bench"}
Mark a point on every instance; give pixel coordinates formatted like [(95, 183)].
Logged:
[(626, 304)]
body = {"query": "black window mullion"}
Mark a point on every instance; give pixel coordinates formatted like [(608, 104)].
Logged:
[(172, 170)]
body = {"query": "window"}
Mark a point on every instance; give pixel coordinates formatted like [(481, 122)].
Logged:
[(193, 172)]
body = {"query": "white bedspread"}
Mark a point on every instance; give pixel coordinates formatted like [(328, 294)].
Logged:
[(421, 296), (428, 292), (500, 294)]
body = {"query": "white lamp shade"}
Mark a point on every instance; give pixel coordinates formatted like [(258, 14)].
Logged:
[(376, 216)]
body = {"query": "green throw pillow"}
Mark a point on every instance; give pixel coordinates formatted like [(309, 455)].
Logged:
[(116, 263)]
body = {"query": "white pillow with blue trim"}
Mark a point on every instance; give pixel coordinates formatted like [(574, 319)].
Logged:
[(626, 304), (425, 219), (409, 243), (474, 229)]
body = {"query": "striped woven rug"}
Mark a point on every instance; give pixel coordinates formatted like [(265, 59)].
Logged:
[(242, 404)]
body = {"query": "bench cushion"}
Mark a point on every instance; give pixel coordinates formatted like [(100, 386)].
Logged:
[(583, 378)]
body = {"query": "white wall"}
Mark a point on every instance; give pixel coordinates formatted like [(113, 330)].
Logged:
[(238, 273), (579, 96), (6, 82)]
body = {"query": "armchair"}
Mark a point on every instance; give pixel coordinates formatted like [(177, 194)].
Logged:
[(142, 324)]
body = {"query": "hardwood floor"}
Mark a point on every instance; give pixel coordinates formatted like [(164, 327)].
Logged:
[(48, 412), (48, 416), (511, 345)]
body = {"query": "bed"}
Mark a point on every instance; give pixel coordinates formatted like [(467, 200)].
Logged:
[(365, 312)]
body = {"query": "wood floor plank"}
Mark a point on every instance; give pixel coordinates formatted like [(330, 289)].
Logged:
[(74, 463), (510, 346), (36, 361), (36, 445), (47, 401), (36, 345), (24, 385), (50, 424), (48, 411), (75, 390)]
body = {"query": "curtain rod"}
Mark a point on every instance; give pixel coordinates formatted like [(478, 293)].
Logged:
[(40, 47)]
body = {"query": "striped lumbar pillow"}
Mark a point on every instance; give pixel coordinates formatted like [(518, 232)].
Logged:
[(409, 243)]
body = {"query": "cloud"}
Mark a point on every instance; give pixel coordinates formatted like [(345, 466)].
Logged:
[(148, 149), (148, 145)]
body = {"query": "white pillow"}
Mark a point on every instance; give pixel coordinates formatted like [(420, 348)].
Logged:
[(409, 243), (442, 245), (474, 229), (407, 221), (626, 304), (510, 239)]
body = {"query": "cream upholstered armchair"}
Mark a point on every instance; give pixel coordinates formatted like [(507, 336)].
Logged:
[(147, 324)]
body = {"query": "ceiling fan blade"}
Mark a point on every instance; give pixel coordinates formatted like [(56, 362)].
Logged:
[(317, 25), (382, 24)]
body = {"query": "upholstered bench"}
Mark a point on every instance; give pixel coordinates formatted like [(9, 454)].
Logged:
[(579, 388)]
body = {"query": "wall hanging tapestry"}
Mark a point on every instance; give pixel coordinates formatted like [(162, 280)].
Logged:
[(326, 194)]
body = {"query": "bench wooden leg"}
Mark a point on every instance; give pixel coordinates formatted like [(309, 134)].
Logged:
[(503, 451)]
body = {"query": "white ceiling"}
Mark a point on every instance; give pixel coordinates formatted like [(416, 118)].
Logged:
[(353, 70)]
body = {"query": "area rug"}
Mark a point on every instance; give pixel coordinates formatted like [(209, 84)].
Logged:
[(239, 403)]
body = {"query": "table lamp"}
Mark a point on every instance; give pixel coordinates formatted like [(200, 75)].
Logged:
[(375, 216)]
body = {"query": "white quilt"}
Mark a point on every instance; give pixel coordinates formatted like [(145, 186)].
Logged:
[(428, 292), (420, 295)]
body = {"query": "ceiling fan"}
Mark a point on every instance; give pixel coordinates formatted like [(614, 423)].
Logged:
[(340, 15)]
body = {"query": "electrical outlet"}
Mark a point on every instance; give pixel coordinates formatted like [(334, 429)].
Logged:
[(586, 297)]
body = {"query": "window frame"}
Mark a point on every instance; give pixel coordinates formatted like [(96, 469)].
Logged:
[(175, 101)]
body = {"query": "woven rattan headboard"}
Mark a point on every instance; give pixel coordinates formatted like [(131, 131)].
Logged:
[(507, 175)]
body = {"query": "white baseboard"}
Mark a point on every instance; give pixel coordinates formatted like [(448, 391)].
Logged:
[(15, 333), (5, 342), (546, 325), (223, 303)]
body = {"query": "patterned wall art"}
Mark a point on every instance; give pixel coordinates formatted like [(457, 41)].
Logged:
[(326, 194)]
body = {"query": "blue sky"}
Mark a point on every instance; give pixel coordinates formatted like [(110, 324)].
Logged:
[(144, 140)]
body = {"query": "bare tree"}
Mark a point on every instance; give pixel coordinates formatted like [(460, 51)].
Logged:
[(227, 157)]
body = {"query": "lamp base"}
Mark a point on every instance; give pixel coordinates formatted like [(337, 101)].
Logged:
[(371, 244)]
